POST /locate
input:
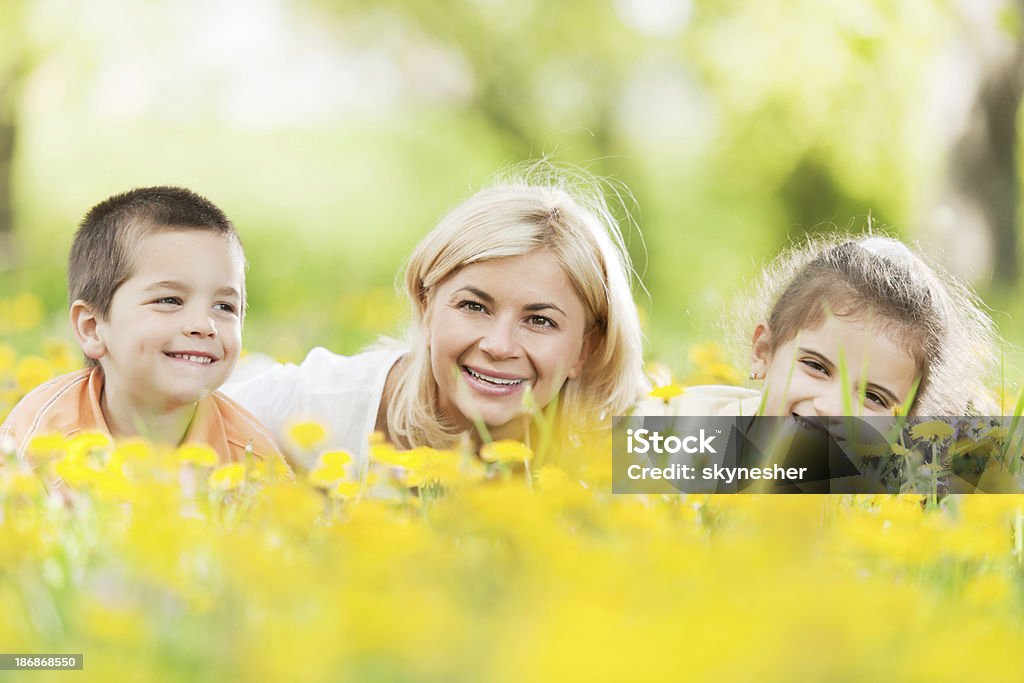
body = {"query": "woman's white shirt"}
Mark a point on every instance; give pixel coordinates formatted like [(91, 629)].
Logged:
[(343, 393)]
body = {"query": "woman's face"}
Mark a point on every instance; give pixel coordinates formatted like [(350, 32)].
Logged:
[(500, 326)]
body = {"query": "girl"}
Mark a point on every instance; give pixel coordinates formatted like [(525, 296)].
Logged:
[(909, 335), (524, 287)]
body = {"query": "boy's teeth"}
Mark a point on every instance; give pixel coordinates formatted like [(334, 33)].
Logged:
[(494, 380), (194, 359)]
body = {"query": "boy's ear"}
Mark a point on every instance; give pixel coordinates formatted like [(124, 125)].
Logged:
[(85, 323), (589, 342), (760, 351)]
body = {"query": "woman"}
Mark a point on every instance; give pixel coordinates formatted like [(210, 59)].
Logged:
[(520, 296)]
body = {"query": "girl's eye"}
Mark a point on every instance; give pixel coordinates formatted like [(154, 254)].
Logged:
[(876, 399), (472, 306), (170, 300), (229, 308), (541, 321), (815, 366)]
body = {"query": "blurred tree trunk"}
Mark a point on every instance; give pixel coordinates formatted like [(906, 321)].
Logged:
[(984, 162), (16, 56), (10, 95)]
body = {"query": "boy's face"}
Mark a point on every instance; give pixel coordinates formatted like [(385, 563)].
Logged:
[(174, 328)]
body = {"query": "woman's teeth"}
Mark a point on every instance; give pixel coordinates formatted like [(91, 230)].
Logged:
[(494, 380)]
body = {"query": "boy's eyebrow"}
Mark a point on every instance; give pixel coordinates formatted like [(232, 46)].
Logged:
[(167, 284), (487, 298), (228, 291), (181, 286)]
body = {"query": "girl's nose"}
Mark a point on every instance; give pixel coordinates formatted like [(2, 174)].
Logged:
[(829, 403), (499, 340)]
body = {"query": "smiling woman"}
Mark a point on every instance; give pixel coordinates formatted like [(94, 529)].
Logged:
[(520, 299)]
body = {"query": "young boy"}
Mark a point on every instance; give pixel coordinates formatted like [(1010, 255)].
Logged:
[(156, 281)]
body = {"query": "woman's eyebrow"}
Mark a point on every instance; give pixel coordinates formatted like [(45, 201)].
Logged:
[(479, 293), (543, 307)]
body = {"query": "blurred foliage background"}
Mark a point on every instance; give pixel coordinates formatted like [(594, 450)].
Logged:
[(336, 132)]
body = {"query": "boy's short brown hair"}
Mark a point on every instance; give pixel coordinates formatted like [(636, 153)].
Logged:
[(104, 247)]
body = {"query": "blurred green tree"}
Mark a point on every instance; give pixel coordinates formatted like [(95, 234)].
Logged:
[(16, 60)]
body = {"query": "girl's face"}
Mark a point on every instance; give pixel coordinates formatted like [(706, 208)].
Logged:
[(802, 377), (500, 326)]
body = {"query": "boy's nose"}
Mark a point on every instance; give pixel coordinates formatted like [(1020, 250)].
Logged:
[(499, 340), (200, 326)]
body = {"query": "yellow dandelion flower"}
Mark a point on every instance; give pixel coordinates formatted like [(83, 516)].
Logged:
[(323, 475), (667, 392), (47, 443), (19, 483), (227, 477), (900, 450), (26, 311), (335, 458), (345, 489), (7, 358), (197, 454), (936, 430), (80, 445), (61, 355), (506, 450), (31, 371), (307, 435), (704, 355)]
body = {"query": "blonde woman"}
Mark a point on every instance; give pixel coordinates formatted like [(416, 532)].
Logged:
[(524, 287)]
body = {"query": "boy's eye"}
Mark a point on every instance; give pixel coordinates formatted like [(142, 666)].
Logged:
[(169, 300), (472, 306), (229, 308), (815, 366), (541, 321)]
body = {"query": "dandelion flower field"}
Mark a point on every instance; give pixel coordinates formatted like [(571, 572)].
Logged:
[(159, 565)]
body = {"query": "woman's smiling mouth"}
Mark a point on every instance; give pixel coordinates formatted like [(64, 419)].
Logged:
[(488, 383)]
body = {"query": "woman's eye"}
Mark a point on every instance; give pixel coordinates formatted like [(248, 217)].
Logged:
[(472, 306), (541, 321), (815, 366)]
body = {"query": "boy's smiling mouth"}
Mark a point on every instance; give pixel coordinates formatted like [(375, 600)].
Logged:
[(197, 357)]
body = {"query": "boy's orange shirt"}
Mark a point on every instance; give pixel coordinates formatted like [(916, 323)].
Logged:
[(70, 404)]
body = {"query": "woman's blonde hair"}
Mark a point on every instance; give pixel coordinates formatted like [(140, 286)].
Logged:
[(537, 210), (934, 315)]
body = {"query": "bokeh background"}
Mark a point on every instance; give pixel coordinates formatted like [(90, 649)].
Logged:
[(335, 133)]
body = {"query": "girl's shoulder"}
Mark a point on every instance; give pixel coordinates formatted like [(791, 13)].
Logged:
[(706, 401)]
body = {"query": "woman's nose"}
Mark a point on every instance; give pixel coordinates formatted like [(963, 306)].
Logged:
[(499, 340)]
